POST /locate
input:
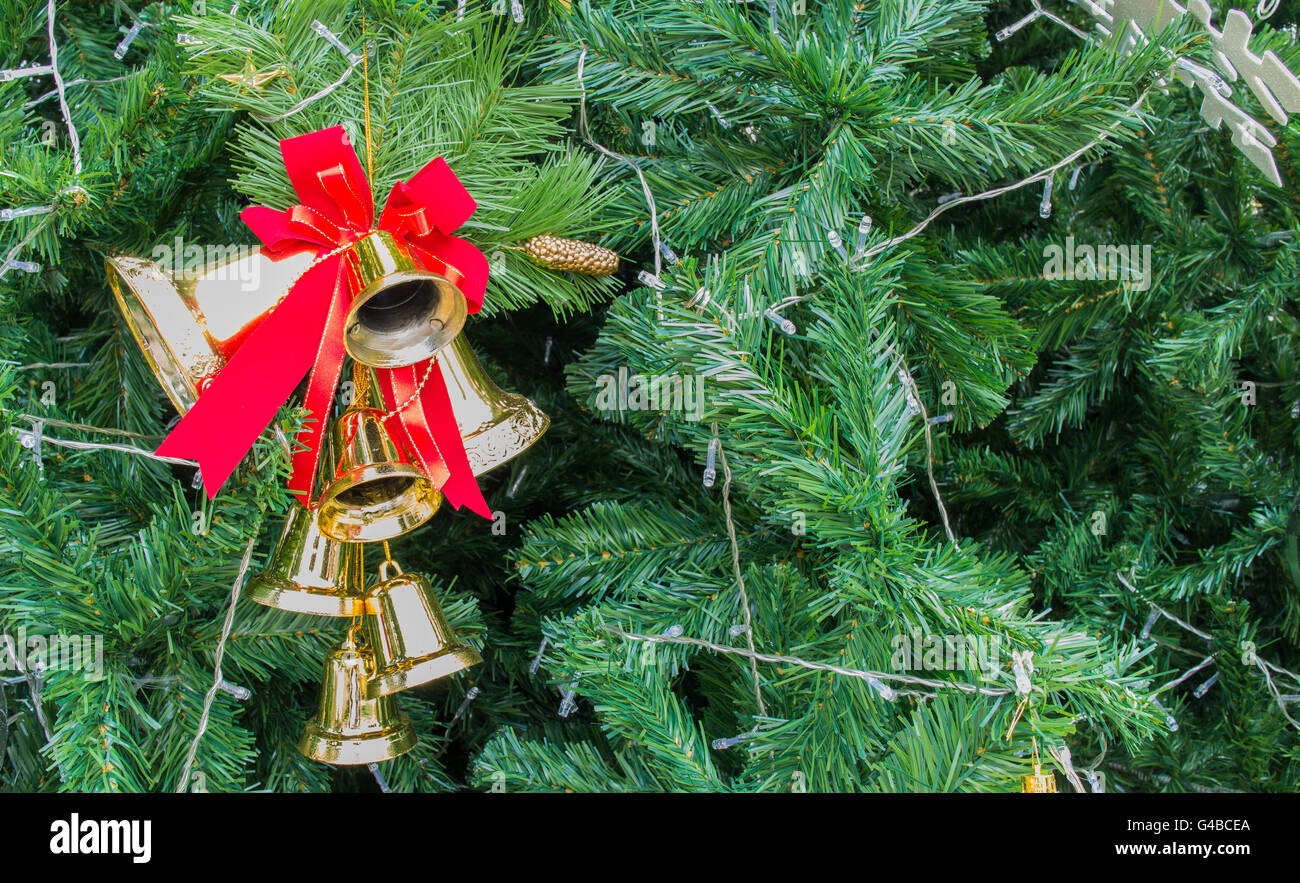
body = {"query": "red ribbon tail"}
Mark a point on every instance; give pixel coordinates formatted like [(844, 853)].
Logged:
[(410, 427), (428, 428), (321, 384), (243, 398), (462, 488)]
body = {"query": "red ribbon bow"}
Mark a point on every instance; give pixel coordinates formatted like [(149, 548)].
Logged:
[(305, 330)]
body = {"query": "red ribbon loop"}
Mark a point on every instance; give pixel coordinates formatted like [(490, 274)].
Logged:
[(304, 332)]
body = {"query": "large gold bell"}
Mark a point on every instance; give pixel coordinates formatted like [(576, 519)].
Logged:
[(309, 572), (404, 313), (350, 727), (371, 490), (407, 631), (495, 425), (189, 322)]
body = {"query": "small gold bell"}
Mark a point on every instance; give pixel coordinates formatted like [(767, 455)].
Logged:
[(404, 313), (310, 573), (371, 490), (1039, 782), (496, 425), (409, 635), (350, 728)]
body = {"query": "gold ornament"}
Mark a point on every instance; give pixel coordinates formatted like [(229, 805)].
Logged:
[(188, 322), (555, 253), (310, 572), (403, 313), (370, 489), (1038, 782), (251, 78), (495, 425), (409, 635), (351, 728)]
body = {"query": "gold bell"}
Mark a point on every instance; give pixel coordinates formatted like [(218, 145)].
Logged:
[(496, 425), (371, 490), (309, 572), (1039, 783), (189, 322), (403, 313), (409, 635), (351, 728)]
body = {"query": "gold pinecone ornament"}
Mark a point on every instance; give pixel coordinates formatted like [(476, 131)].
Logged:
[(573, 255)]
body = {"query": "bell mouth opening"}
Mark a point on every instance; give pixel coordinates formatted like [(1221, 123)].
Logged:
[(395, 307), (378, 503), (321, 744), (417, 672), (404, 318), (148, 299), (296, 598), (376, 492)]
